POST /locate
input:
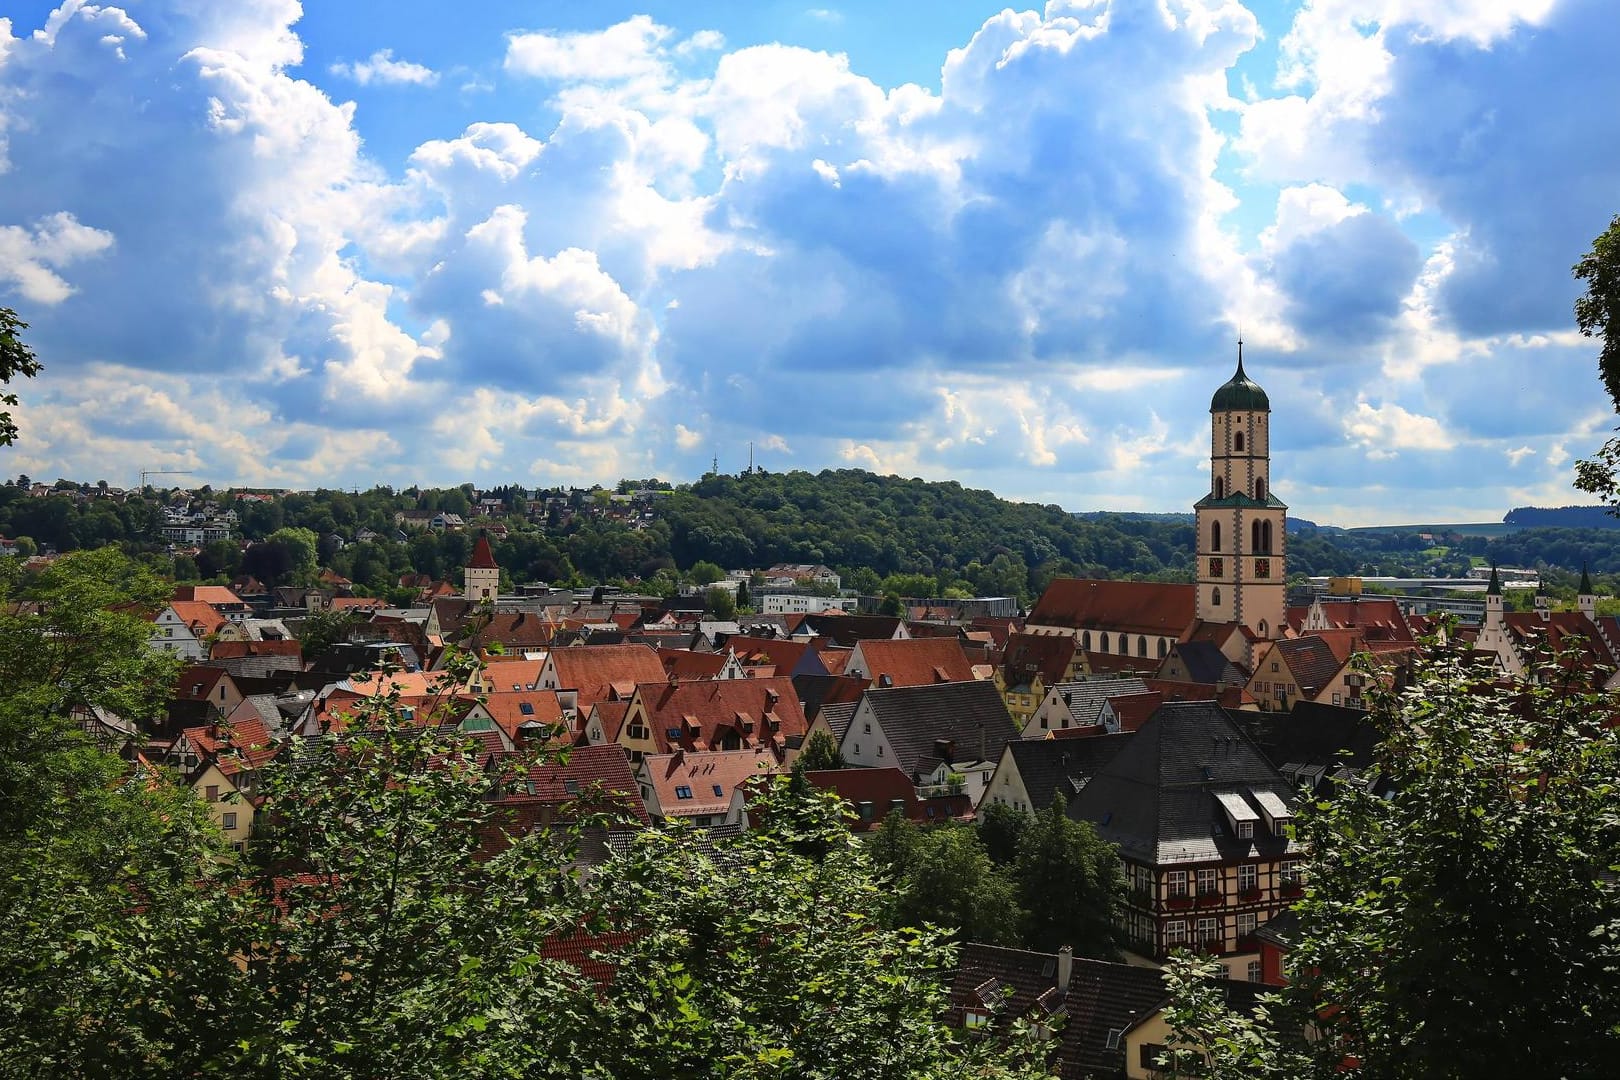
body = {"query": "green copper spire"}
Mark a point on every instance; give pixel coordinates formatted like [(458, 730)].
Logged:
[(1586, 582), (1495, 587), (1240, 393)]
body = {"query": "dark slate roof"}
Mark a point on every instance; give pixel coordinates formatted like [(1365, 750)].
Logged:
[(817, 691), (1311, 661), (846, 630), (1100, 997), (1240, 393), (1205, 663), (837, 717), (1085, 699), (1314, 741), (1156, 798), (951, 722), (1050, 766)]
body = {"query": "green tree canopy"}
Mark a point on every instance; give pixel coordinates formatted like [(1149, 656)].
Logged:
[(1070, 885), (16, 359)]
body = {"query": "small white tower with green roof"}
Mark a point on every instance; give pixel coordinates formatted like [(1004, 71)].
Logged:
[(1242, 539)]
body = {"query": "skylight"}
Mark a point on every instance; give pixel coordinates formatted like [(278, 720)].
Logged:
[(683, 792)]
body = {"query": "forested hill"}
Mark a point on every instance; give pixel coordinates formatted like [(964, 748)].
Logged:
[(851, 520), (1563, 517)]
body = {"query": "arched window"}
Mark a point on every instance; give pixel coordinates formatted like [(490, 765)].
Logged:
[(1262, 629), (1162, 649), (1260, 490), (1265, 536), (1220, 487), (1256, 537), (1085, 641), (1141, 646), (1103, 639), (1215, 536), (1215, 597), (1124, 644), (1237, 442)]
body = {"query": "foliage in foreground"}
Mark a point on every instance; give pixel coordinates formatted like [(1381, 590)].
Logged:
[(365, 939), (1466, 925)]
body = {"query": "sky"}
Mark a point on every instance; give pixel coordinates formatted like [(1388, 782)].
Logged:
[(361, 243)]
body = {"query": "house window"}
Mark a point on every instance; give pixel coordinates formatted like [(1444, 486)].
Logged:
[(228, 821), (857, 749), (1215, 597), (868, 727), (1175, 932), (880, 749), (1292, 874), (1208, 882), (1177, 881), (1254, 971), (683, 792), (1248, 877), (1209, 931), (1247, 923), (1245, 830), (213, 792), (1336, 699)]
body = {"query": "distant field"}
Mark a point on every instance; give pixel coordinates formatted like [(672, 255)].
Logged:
[(1482, 528)]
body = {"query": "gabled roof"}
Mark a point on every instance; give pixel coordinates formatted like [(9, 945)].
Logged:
[(610, 714), (684, 665), (1050, 766), (1310, 660), (1205, 663), (1136, 607), (591, 778), (1378, 618), (817, 691), (946, 722), (511, 709), (595, 670), (1031, 655), (197, 683), (228, 650), (701, 784), (702, 716), (1557, 631), (873, 793), (208, 594), (1099, 998), (1085, 699), (913, 662), (846, 630), (200, 618), (1156, 797), (1314, 740), (783, 655)]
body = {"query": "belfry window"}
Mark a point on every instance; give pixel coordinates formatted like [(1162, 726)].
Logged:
[(1215, 597), (1260, 490), (1237, 442), (1220, 487), (1215, 533)]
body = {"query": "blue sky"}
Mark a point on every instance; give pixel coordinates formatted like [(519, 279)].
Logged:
[(568, 242)]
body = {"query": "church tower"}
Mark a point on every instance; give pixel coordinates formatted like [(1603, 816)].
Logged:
[(481, 582), (1241, 525)]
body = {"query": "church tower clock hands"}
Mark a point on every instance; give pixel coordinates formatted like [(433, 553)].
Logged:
[(1241, 537)]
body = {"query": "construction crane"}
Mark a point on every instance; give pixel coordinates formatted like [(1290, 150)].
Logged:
[(163, 472)]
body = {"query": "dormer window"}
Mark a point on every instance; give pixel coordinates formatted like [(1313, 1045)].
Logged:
[(1245, 830)]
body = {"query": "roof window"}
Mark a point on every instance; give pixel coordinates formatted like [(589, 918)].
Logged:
[(683, 792)]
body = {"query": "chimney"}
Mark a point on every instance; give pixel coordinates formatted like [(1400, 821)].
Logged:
[(1065, 967)]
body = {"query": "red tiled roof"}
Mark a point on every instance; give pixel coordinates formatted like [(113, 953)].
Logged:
[(872, 793), (482, 557), (206, 594), (781, 655), (577, 949), (200, 617), (705, 716), (197, 683), (1029, 655), (1137, 607), (684, 664), (593, 778), (593, 670), (357, 603), (914, 662), (707, 779), (611, 716), (506, 708), (228, 650)]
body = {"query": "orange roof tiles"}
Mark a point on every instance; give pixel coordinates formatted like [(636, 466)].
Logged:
[(915, 662), (706, 716), (1137, 607), (701, 784), (482, 557), (592, 670)]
